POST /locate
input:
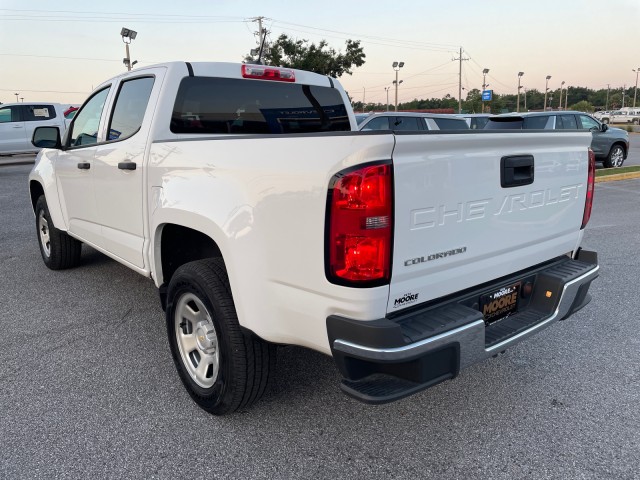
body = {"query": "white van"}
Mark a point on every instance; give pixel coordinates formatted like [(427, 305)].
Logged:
[(19, 120)]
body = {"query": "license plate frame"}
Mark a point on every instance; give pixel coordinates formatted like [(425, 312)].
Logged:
[(500, 303)]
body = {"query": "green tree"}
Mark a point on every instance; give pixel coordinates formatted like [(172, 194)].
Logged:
[(582, 106), (320, 58)]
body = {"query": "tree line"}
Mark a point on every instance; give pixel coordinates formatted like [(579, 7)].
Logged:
[(577, 98)]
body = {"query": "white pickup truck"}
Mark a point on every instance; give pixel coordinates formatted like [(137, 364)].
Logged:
[(264, 218)]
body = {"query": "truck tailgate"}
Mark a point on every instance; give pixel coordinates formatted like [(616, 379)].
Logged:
[(470, 208)]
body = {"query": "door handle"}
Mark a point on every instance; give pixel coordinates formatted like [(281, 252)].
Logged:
[(17, 126), (84, 165), (127, 165), (516, 170)]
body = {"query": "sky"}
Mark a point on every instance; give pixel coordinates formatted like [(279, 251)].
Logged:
[(59, 51)]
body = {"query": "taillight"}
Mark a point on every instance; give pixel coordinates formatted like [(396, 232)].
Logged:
[(262, 72), (591, 180), (359, 224)]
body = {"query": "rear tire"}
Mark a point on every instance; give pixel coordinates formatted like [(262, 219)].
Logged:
[(222, 367), (615, 158), (59, 251)]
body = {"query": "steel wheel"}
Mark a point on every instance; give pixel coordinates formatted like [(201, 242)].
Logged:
[(43, 231), (197, 340)]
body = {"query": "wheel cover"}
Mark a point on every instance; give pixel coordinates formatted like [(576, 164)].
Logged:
[(43, 232), (197, 340), (617, 157)]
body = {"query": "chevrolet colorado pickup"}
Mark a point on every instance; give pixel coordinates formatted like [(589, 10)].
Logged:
[(265, 218)]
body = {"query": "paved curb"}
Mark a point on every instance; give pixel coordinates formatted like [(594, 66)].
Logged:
[(618, 176), (12, 162)]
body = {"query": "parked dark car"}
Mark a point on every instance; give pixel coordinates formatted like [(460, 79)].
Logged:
[(610, 144)]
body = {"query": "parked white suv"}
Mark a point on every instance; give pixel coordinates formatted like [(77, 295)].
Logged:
[(19, 120)]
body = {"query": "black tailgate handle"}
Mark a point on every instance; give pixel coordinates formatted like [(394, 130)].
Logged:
[(84, 165), (516, 170)]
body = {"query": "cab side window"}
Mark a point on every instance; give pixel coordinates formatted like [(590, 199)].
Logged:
[(566, 122), (380, 123), (129, 108), (86, 123), (588, 123), (9, 114)]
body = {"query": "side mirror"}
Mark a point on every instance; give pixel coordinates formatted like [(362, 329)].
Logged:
[(46, 137), (604, 127)]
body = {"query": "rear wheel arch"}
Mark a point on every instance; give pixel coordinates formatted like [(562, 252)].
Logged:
[(35, 191), (178, 245)]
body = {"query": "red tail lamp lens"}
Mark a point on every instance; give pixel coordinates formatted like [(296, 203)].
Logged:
[(591, 180), (360, 223)]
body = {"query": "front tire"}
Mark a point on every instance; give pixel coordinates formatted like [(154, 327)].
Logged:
[(615, 158), (59, 251), (222, 367)]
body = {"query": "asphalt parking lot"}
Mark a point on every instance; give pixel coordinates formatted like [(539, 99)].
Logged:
[(88, 387)]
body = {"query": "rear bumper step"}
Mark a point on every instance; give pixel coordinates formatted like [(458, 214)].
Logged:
[(388, 359)]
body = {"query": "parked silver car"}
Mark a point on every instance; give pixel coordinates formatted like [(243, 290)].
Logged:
[(412, 121)]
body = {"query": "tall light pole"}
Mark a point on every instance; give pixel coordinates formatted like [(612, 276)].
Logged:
[(635, 93), (128, 35), (364, 91), (623, 90), (386, 89), (16, 94), (566, 97), (546, 90), (484, 85), (397, 66), (560, 104), (606, 105), (525, 98), (520, 74)]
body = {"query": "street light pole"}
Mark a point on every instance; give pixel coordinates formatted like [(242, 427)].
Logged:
[(635, 93), (128, 35), (364, 91), (560, 104), (16, 94), (484, 85), (397, 66), (546, 90), (525, 99), (386, 89), (520, 74), (566, 97)]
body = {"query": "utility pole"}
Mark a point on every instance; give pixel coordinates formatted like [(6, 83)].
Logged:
[(606, 105), (566, 97), (262, 37), (386, 89), (635, 93), (623, 89), (525, 99), (460, 59)]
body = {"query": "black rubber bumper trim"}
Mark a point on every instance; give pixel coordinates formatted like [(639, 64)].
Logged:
[(391, 358)]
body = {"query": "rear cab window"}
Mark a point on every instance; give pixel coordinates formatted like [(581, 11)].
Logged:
[(36, 113), (211, 105)]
